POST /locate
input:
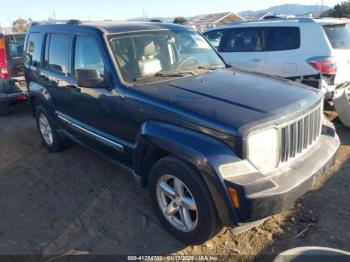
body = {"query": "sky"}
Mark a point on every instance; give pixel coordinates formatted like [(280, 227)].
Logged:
[(124, 9)]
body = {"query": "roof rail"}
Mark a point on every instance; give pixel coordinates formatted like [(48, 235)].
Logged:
[(57, 22), (74, 22), (299, 19)]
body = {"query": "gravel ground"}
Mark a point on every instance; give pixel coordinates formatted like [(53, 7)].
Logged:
[(51, 204)]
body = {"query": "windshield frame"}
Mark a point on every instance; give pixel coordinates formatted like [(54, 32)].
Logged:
[(127, 83)]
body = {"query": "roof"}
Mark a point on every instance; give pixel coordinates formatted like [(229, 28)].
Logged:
[(120, 27), (12, 34), (213, 18), (287, 22)]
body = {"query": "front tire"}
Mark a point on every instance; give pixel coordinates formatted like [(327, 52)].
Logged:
[(48, 130), (182, 201)]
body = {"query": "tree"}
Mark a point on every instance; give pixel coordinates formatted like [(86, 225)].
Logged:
[(180, 20), (338, 11), (21, 25)]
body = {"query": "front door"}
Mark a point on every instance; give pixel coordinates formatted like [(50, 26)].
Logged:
[(244, 48), (98, 112)]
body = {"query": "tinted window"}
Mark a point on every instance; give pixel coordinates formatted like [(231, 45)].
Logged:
[(87, 55), (283, 38), (56, 52), (214, 37), (14, 45), (34, 49), (338, 35), (244, 40)]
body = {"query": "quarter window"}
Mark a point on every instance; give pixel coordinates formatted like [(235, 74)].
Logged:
[(283, 38), (56, 52), (87, 55), (244, 40), (33, 49)]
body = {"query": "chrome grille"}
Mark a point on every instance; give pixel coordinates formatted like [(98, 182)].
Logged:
[(299, 135)]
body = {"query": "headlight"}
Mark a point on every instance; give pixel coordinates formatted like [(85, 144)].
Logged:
[(263, 149)]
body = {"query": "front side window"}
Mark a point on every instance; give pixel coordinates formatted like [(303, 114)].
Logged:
[(33, 50), (56, 53), (87, 55), (158, 54), (283, 38), (244, 40)]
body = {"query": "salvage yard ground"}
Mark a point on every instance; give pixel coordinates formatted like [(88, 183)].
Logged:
[(76, 200)]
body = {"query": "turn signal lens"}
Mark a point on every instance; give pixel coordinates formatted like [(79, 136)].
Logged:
[(234, 197)]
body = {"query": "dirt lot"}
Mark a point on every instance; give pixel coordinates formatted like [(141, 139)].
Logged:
[(75, 200)]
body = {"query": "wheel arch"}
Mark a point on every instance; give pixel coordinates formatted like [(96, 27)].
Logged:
[(38, 95), (203, 153)]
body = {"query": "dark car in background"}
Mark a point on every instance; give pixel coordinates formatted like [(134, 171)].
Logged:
[(12, 82), (214, 145)]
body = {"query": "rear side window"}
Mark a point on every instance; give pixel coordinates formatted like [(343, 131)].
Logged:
[(244, 40), (283, 38), (338, 35), (87, 55), (34, 49), (56, 52), (214, 37)]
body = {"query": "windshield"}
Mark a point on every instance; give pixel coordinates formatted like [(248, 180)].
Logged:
[(151, 55), (338, 35)]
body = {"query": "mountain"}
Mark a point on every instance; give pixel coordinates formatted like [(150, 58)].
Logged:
[(286, 9)]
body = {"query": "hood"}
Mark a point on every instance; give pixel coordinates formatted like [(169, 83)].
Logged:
[(234, 98)]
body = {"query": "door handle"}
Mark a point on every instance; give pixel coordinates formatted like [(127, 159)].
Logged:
[(74, 88), (256, 60)]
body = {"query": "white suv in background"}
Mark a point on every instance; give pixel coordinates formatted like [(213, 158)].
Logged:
[(315, 52)]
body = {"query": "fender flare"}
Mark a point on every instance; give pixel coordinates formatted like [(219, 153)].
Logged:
[(203, 152), (37, 92)]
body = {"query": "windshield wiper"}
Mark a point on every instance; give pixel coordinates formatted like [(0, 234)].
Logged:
[(210, 67), (174, 73), (166, 74)]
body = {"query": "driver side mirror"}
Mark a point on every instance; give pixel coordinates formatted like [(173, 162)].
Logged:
[(89, 78)]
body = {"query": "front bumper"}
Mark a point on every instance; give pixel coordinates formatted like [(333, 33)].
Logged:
[(263, 195)]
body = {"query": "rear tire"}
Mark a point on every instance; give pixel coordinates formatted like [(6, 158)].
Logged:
[(5, 107), (182, 201), (48, 130)]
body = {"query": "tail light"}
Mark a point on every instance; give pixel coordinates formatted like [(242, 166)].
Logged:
[(3, 62), (325, 65)]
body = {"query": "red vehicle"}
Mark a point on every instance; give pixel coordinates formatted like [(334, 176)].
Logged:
[(12, 82)]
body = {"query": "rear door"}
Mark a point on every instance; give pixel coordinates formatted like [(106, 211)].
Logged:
[(283, 46), (339, 38), (244, 48), (54, 72)]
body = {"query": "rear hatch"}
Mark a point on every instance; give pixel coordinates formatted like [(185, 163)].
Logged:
[(14, 54), (339, 38)]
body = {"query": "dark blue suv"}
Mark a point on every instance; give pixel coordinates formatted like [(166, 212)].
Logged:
[(215, 145)]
